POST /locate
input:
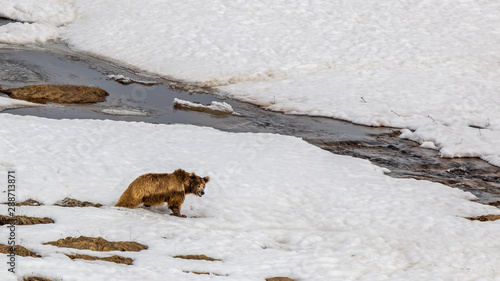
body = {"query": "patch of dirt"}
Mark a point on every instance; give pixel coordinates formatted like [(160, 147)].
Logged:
[(485, 218), (204, 273), (20, 251), (35, 278), (97, 244), (279, 279), (29, 202), (115, 258), (57, 94), (24, 220), (70, 202), (496, 204), (196, 257)]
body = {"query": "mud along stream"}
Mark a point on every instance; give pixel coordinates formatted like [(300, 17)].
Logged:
[(152, 102)]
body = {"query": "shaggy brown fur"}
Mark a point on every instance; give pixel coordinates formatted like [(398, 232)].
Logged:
[(57, 94), (156, 189)]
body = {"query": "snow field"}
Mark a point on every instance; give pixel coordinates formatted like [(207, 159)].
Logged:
[(56, 12), (430, 67), (275, 206)]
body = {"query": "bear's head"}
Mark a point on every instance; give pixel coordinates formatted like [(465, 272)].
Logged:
[(196, 184)]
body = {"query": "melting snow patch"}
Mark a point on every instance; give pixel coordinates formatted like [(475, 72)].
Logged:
[(215, 106), (124, 112), (428, 144), (127, 80), (8, 103)]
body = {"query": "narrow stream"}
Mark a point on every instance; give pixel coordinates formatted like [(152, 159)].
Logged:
[(55, 63)]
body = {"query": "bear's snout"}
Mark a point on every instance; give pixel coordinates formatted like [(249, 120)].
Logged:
[(201, 193)]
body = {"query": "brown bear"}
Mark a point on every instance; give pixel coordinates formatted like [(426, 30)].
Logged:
[(156, 189)]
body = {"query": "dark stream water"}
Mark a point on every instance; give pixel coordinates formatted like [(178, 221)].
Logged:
[(153, 103)]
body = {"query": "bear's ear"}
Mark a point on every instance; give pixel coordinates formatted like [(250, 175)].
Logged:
[(206, 179)]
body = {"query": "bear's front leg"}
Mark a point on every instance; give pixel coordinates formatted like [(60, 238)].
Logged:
[(177, 212), (174, 204)]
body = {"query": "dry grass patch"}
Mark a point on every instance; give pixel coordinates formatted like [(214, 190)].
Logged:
[(196, 257), (496, 204), (70, 202), (115, 258), (20, 251), (57, 94), (485, 218), (279, 279), (24, 220), (35, 278), (29, 202), (97, 244)]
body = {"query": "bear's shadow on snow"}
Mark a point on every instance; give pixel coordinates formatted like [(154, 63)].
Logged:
[(164, 210)]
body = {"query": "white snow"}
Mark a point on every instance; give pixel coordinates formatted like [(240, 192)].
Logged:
[(275, 206), (428, 144), (222, 107), (7, 103), (40, 21), (25, 33), (389, 63)]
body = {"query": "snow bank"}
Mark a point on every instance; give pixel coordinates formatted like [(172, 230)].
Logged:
[(221, 107), (378, 63), (55, 12), (275, 206), (6, 103), (42, 20), (25, 33)]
